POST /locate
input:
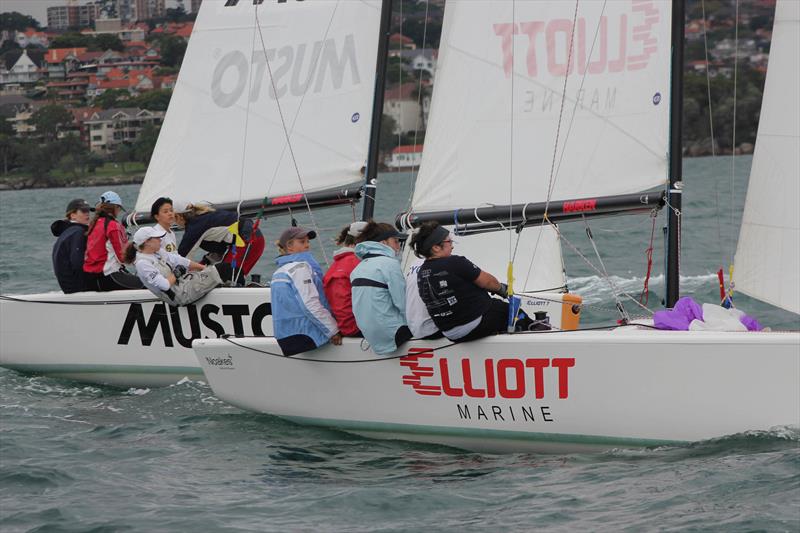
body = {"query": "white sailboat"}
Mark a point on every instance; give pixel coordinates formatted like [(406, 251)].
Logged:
[(493, 135), (301, 71)]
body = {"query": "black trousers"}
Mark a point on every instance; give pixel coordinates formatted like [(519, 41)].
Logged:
[(117, 281), (495, 320)]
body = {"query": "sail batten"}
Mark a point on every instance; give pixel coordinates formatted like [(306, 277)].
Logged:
[(771, 220), (237, 99)]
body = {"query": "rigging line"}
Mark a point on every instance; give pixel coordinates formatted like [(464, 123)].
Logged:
[(419, 100), (599, 273), (246, 127), (512, 252), (713, 138), (733, 144), (551, 182), (569, 127), (283, 121), (611, 283)]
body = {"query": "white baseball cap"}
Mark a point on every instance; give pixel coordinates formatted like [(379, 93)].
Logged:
[(147, 232)]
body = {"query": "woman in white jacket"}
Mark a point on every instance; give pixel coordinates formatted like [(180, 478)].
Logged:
[(174, 279)]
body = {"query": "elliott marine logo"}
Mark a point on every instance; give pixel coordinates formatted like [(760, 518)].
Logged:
[(490, 382)]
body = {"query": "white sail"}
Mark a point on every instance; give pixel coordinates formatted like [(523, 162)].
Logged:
[(767, 262), (223, 139), (492, 137)]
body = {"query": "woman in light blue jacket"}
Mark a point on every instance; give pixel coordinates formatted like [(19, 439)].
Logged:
[(301, 316), (379, 288)]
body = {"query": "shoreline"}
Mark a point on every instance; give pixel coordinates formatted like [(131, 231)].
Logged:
[(21, 183)]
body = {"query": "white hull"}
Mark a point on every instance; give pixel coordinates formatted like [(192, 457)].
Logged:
[(122, 338), (626, 387)]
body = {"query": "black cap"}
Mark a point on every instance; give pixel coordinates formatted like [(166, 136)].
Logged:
[(78, 204), (388, 235)]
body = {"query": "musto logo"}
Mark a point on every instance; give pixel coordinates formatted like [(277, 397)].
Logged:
[(489, 386)]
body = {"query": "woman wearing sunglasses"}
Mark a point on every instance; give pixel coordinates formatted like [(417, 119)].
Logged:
[(456, 291)]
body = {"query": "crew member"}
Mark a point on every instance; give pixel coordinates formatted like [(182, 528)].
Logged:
[(70, 247), (337, 285)]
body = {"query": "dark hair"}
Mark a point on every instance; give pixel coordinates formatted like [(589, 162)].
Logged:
[(421, 235), (374, 229), (157, 205), (344, 238), (103, 210), (129, 254)]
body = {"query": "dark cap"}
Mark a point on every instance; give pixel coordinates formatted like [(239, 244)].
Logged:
[(388, 234), (295, 233), (77, 204)]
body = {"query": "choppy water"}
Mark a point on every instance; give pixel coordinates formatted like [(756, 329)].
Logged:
[(78, 458)]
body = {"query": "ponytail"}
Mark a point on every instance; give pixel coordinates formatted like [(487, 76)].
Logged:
[(129, 254)]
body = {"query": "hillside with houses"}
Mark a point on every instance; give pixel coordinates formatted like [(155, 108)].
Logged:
[(82, 99)]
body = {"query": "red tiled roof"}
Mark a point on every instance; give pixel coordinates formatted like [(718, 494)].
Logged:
[(57, 55), (113, 84), (79, 114), (407, 149)]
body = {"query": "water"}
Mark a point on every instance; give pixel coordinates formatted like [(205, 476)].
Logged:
[(80, 458)]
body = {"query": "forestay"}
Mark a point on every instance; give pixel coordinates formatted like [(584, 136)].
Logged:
[(767, 263), (492, 138), (223, 139)]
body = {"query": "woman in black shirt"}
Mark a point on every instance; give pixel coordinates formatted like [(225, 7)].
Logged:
[(456, 291)]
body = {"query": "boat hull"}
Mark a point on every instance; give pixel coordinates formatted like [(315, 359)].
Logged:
[(545, 392), (122, 338)]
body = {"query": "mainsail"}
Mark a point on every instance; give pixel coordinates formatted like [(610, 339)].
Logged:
[(253, 72), (767, 262), (500, 133)]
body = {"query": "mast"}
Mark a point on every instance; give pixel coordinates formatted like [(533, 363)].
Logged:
[(674, 190), (371, 184)]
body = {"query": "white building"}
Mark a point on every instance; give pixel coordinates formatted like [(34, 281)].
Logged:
[(112, 127), (405, 156), (23, 72), (403, 105)]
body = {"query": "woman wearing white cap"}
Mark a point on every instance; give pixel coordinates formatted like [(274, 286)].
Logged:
[(105, 248), (165, 273)]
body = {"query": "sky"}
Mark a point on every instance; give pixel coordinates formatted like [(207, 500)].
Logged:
[(38, 8)]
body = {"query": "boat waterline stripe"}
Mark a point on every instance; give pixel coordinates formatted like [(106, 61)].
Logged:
[(104, 369), (415, 429)]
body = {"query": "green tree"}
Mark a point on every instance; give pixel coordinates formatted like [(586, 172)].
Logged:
[(72, 40), (155, 100), (49, 119), (74, 162), (387, 138), (38, 160), (112, 98), (15, 21), (9, 147), (106, 41), (172, 50), (145, 144), (123, 154)]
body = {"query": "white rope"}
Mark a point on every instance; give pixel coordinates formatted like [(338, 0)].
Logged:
[(733, 140), (283, 122), (414, 168), (711, 128), (553, 171), (512, 252)]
